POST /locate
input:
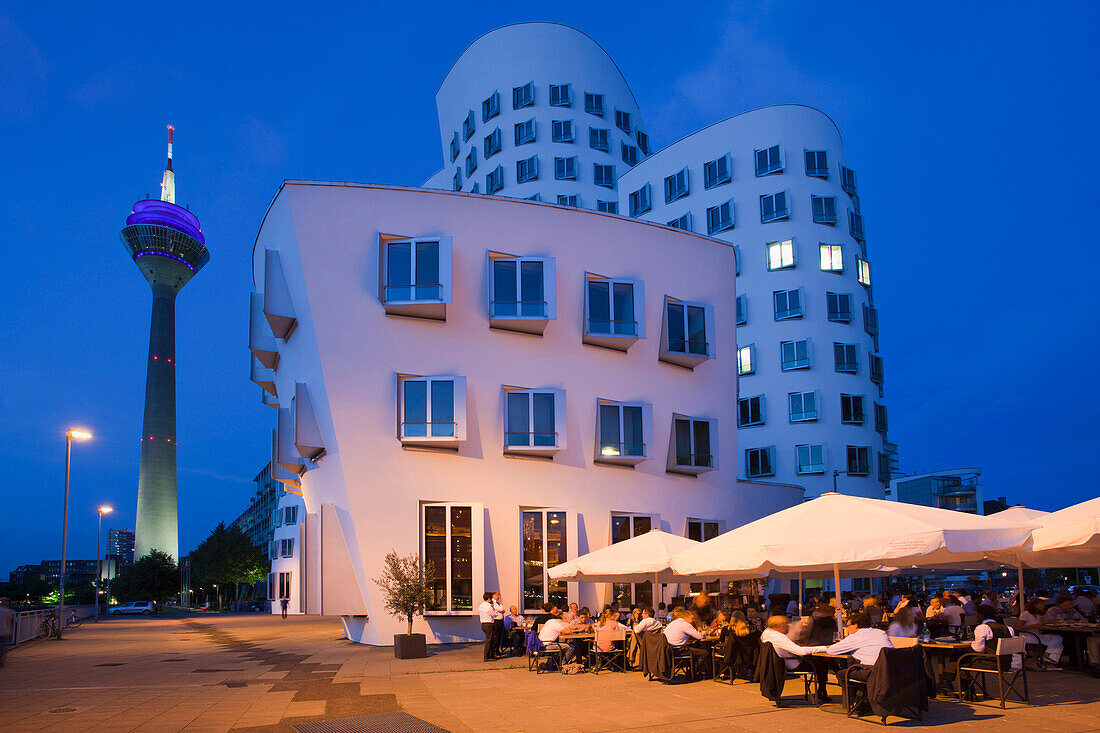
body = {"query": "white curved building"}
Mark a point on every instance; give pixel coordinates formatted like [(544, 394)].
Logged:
[(538, 110), (774, 182), (285, 550)]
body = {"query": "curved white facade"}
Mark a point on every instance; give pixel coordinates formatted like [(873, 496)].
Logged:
[(503, 62), (384, 467), (285, 551), (770, 320)]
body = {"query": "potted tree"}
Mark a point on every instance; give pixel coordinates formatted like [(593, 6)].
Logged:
[(404, 583)]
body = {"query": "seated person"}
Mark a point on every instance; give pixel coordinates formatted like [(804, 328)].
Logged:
[(821, 630), (662, 611), (514, 625), (792, 608), (1030, 621), (682, 633), (702, 609), (904, 624), (549, 610), (935, 607), (989, 630), (648, 622), (551, 630), (607, 622), (1084, 602), (570, 614), (794, 656), (752, 618), (721, 620), (864, 642), (954, 614), (1062, 610), (873, 609)]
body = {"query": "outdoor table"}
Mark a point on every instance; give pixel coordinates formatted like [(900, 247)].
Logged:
[(946, 651), (841, 661), (1079, 632)]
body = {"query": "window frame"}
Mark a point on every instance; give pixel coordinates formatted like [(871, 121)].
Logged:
[(863, 272), (678, 185), (762, 417), (812, 468), (609, 180), (882, 421), (777, 214), (558, 406), (424, 307), (471, 161), (469, 127), (567, 100), (492, 144), (840, 315), (527, 169), (494, 180), (687, 358), (490, 107), (525, 128), (694, 468), (769, 452), (783, 263), (629, 154), (523, 96), (568, 199), (458, 410), (855, 226), (789, 313), (683, 222), (565, 168), (602, 455), (719, 178), (595, 103), (520, 321), (604, 144), (750, 350), (644, 202), (818, 170), (286, 547), (848, 180), (607, 207), (803, 415), (562, 131), (742, 303), (857, 451), (771, 168), (624, 121), (846, 367), (716, 225), (796, 364), (824, 217), (610, 339), (545, 513), (849, 403), (833, 249), (477, 554)]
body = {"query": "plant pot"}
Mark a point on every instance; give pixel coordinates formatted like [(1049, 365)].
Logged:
[(409, 646)]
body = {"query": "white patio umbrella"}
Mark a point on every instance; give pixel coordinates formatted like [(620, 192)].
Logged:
[(1020, 514), (1069, 537), (645, 557), (840, 532)]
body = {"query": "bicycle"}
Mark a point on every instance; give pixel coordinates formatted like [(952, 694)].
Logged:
[(47, 627)]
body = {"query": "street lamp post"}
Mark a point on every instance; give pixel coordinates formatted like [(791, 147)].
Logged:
[(835, 474), (70, 435), (98, 558)]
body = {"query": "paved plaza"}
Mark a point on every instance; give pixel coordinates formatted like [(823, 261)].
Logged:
[(260, 673)]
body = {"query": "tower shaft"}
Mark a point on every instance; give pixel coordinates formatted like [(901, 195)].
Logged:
[(157, 526)]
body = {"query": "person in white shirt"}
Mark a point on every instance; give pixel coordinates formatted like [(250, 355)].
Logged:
[(905, 623), (793, 655), (1030, 621), (954, 614), (488, 616), (551, 630), (499, 612), (1083, 603), (989, 630), (681, 631), (864, 642), (648, 622), (1062, 610), (571, 614)]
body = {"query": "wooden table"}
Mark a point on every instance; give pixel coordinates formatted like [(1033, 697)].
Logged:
[(1079, 632)]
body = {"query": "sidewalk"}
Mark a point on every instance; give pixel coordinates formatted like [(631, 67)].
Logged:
[(258, 673)]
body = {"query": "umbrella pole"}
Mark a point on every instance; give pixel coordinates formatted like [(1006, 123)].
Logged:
[(657, 590), (1020, 582), (800, 594), (839, 605)]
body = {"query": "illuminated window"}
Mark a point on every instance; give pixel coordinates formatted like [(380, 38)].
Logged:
[(451, 540), (846, 358), (832, 259), (803, 406), (811, 458), (760, 462), (773, 207), (859, 460), (490, 108), (702, 530), (851, 409), (468, 126), (605, 176), (746, 359), (492, 143), (561, 95), (561, 131), (544, 546), (641, 200), (523, 96), (788, 304), (720, 217), (781, 254), (768, 161), (494, 181), (824, 209), (863, 267), (621, 432), (593, 104), (817, 164), (598, 139), (677, 186), (565, 169), (839, 307), (795, 354), (717, 171), (750, 411), (525, 132)]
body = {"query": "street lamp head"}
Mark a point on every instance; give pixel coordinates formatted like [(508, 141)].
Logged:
[(75, 434), (105, 510)]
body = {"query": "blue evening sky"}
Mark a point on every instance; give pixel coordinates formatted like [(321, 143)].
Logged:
[(971, 126)]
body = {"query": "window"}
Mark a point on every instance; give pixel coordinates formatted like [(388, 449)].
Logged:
[(622, 121), (278, 517), (598, 139), (701, 531), (845, 358), (630, 154), (455, 144), (525, 132), (768, 161), (271, 586), (742, 310), (880, 418), (432, 409), (848, 180), (492, 143), (643, 142), (561, 95), (832, 259), (781, 254), (746, 359), (476, 188), (494, 181), (877, 374), (291, 515), (641, 200), (286, 547), (750, 411), (851, 409), (284, 585), (870, 320), (863, 268), (605, 176), (624, 527), (608, 207), (561, 131), (803, 406), (527, 169), (716, 172), (773, 207), (468, 126), (490, 108), (760, 462), (736, 260), (682, 222), (859, 460), (451, 539), (720, 217), (621, 432), (532, 419), (565, 169), (855, 225), (456, 182), (677, 186), (817, 164), (611, 307), (811, 458), (523, 96), (272, 550), (593, 104), (824, 208), (471, 161), (692, 445), (417, 271), (544, 546), (535, 197), (839, 306), (568, 200), (788, 304), (687, 327), (795, 354), (520, 286)]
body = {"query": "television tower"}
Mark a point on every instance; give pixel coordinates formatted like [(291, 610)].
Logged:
[(168, 247)]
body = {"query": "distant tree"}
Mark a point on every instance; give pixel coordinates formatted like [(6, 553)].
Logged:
[(405, 585), (154, 577), (227, 558)]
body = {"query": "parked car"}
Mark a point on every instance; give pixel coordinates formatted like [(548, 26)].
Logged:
[(256, 606), (144, 608), (1093, 588)]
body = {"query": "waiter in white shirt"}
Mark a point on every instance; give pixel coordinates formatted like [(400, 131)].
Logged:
[(499, 613), (989, 630), (793, 655), (488, 617), (864, 642)]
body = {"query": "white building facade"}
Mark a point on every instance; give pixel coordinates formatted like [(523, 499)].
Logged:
[(775, 183), (285, 551), (497, 384)]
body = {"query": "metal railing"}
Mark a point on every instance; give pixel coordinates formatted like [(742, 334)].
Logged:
[(515, 439), (530, 308), (27, 623), (622, 450), (613, 328), (414, 292), (429, 430), (694, 347), (694, 460)]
